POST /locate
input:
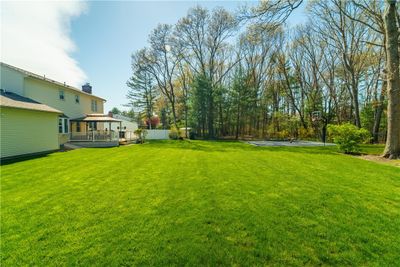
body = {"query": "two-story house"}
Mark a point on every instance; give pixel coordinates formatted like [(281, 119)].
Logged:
[(39, 114)]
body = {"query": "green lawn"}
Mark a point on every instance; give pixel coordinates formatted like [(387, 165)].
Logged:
[(200, 203)]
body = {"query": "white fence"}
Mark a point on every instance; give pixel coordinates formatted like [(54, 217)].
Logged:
[(128, 135), (157, 134)]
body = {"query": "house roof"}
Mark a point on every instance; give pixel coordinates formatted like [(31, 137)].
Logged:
[(96, 117), (43, 78), (8, 99)]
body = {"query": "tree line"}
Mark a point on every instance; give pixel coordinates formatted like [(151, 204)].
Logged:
[(247, 75)]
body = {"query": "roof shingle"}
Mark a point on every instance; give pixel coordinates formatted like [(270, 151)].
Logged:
[(9, 99), (96, 117), (36, 76)]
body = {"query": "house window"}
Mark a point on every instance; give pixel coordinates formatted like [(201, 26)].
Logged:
[(63, 125), (78, 127), (77, 99), (93, 125), (66, 126), (94, 105), (61, 95), (60, 125)]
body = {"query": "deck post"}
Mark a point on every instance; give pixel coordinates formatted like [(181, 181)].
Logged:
[(70, 131), (109, 128)]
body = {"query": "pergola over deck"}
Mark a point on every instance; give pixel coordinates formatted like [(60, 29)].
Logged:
[(92, 132)]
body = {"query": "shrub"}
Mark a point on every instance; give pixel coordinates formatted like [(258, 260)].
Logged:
[(306, 133), (141, 134), (174, 133), (282, 135), (348, 137)]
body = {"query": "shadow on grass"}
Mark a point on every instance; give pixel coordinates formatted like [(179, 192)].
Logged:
[(8, 161)]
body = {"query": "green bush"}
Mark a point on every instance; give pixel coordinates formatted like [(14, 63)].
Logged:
[(348, 137), (174, 133), (141, 134), (282, 135), (306, 133)]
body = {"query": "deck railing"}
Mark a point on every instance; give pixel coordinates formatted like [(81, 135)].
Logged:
[(94, 136)]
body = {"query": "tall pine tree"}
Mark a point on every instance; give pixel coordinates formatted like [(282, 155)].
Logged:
[(142, 93)]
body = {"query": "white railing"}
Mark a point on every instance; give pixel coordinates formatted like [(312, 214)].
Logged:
[(93, 136)]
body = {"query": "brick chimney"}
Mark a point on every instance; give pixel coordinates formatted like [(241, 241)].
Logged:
[(87, 88)]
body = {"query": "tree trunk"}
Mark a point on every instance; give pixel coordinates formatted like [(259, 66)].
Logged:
[(211, 117), (186, 120), (237, 118), (221, 120), (392, 148), (356, 107), (378, 115), (174, 114)]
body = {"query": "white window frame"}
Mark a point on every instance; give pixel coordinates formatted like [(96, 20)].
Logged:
[(94, 105), (64, 123)]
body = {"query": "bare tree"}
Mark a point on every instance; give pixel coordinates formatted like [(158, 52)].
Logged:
[(387, 24), (391, 19), (203, 36), (269, 14), (161, 63)]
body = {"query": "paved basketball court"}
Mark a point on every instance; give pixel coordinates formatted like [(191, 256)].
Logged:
[(287, 143)]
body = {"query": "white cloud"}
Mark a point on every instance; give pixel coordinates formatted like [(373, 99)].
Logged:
[(35, 36)]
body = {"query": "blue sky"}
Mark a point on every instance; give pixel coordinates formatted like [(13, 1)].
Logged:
[(107, 33), (76, 42)]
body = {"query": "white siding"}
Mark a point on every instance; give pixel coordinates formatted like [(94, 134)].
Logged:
[(12, 80), (130, 126), (27, 131)]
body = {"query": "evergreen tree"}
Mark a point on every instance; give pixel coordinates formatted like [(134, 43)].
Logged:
[(142, 93), (200, 104)]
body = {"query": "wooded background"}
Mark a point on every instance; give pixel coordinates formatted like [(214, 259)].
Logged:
[(247, 75)]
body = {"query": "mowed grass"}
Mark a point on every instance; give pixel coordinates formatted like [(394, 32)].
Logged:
[(200, 203)]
